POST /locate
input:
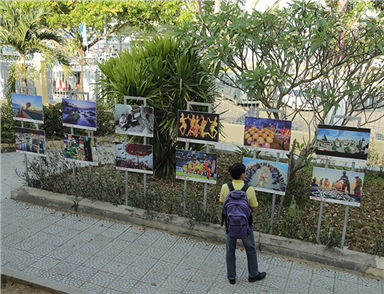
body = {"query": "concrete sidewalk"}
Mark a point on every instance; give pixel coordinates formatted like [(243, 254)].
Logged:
[(73, 253)]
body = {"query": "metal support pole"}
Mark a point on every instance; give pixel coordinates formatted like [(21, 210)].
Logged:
[(90, 167), (273, 202), (74, 165), (346, 217), (321, 211), (126, 178), (26, 160), (206, 190)]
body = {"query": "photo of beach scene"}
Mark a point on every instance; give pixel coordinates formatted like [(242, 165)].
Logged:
[(134, 120), (267, 134), (27, 108), (266, 176), (81, 149), (337, 186), (134, 157), (79, 114), (196, 166), (344, 142), (30, 141)]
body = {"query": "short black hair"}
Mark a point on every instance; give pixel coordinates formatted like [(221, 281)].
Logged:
[(236, 170)]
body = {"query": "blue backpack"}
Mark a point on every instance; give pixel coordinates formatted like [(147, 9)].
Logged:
[(237, 213)]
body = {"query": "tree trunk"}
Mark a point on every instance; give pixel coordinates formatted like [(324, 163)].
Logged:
[(25, 91), (252, 8), (217, 6), (198, 6)]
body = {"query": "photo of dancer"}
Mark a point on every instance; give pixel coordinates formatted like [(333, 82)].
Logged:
[(268, 134), (196, 166), (27, 108), (134, 120), (134, 157), (30, 141), (266, 176), (81, 149), (337, 186), (197, 127)]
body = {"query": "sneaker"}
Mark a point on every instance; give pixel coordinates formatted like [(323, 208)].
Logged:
[(259, 277), (232, 282)]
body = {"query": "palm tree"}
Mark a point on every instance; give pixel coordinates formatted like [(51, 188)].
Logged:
[(22, 30)]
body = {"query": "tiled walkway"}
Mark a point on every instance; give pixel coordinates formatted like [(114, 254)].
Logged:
[(108, 257)]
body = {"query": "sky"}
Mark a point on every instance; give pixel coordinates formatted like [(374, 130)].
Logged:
[(22, 99), (263, 4), (82, 103), (342, 135)]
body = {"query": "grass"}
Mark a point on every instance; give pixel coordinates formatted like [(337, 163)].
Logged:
[(299, 214)]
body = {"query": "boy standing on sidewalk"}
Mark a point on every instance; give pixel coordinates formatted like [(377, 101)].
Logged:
[(237, 172)]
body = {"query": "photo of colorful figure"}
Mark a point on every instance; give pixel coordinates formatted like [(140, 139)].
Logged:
[(196, 166), (198, 127), (79, 114), (134, 157), (27, 108), (266, 176), (30, 141), (81, 149), (337, 186), (134, 120), (344, 142), (266, 133)]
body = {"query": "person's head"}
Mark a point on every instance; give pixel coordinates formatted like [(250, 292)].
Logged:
[(344, 173), (132, 112), (123, 115), (236, 170)]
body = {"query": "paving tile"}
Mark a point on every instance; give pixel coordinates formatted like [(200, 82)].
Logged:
[(102, 278), (83, 273), (304, 276), (222, 287), (346, 287), (175, 283), (163, 267), (323, 281), (184, 271), (294, 286), (151, 277), (73, 282), (122, 284), (279, 271), (274, 282), (196, 288), (144, 288), (320, 290), (115, 267), (201, 277), (45, 263), (64, 268), (92, 288), (346, 277)]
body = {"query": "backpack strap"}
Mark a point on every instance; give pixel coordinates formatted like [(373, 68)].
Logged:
[(245, 188), (230, 186)]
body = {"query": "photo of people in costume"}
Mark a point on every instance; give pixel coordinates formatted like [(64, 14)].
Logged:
[(266, 176), (81, 149), (337, 186), (196, 166), (344, 142), (79, 114), (198, 127), (134, 120), (27, 108), (30, 141), (134, 157), (266, 133)]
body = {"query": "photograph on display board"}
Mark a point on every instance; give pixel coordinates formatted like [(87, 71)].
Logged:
[(198, 127), (30, 141), (134, 157), (337, 186), (267, 133), (27, 108), (79, 114), (196, 166), (80, 148), (344, 142), (134, 120), (266, 176)]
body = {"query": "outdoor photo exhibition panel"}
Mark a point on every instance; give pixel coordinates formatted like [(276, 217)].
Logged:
[(80, 114), (337, 186), (196, 166), (197, 127), (30, 141), (81, 149), (266, 134), (27, 108), (343, 143), (134, 157), (134, 120)]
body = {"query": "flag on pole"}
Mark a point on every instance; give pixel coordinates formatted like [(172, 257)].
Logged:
[(83, 33)]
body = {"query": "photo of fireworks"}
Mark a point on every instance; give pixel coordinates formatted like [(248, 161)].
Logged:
[(267, 134), (344, 142), (337, 186), (27, 108), (81, 149), (266, 176), (197, 127), (134, 157), (30, 141), (196, 166)]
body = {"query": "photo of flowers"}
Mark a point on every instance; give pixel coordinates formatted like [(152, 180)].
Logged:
[(337, 186), (81, 149), (27, 108), (266, 176), (30, 141), (134, 120), (267, 133), (134, 157), (197, 127), (196, 166), (79, 114), (343, 142)]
